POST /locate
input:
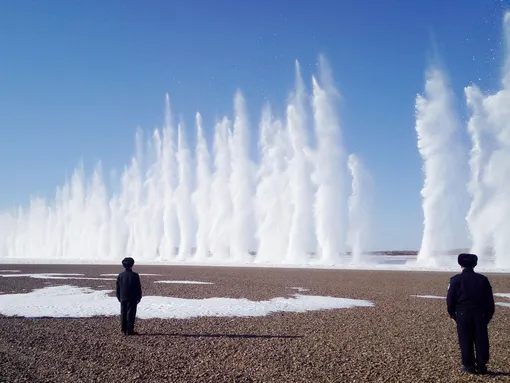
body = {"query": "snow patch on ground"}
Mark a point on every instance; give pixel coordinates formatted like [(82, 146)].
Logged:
[(114, 275), (54, 276), (428, 296), (300, 289), (73, 302), (502, 304), (186, 282)]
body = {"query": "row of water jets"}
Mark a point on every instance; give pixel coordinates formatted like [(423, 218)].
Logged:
[(219, 206), (298, 203)]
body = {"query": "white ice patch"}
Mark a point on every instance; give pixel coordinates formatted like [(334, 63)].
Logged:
[(428, 296), (300, 289), (186, 282), (503, 304), (114, 275), (72, 301), (38, 275), (54, 276)]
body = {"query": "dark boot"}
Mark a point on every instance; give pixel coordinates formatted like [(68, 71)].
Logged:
[(482, 370), (468, 369)]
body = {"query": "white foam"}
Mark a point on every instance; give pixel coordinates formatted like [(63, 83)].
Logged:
[(72, 301), (54, 276), (502, 295), (10, 271), (428, 296), (503, 304), (186, 282)]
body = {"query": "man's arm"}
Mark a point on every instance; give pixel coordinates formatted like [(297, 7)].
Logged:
[(451, 298), (139, 288), (117, 289), (489, 301)]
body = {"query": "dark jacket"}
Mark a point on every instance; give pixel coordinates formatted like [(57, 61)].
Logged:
[(470, 292), (129, 287)]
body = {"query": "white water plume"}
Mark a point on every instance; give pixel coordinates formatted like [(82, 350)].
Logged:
[(170, 238), (286, 205), (360, 204), (201, 196), (221, 204), (302, 238), (329, 170), (272, 195), (183, 203), (240, 183), (437, 128), (174, 205), (489, 216), (480, 228)]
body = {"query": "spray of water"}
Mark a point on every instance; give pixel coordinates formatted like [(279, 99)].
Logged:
[(166, 167), (221, 205), (169, 204), (201, 196), (272, 196), (360, 204), (301, 234), (266, 197), (437, 127), (480, 230), (329, 169), (489, 126), (241, 188), (185, 211)]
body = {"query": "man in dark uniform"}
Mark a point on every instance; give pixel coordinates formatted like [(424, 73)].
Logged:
[(129, 294), (470, 304)]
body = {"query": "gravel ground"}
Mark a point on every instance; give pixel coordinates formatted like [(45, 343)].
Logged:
[(401, 339)]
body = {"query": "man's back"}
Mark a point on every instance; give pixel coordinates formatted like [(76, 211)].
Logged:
[(129, 287), (470, 292), (471, 304)]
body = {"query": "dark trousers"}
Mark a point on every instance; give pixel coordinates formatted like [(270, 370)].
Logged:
[(127, 316), (472, 331)]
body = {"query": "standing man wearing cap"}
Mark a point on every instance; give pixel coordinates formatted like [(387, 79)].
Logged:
[(129, 294), (470, 304)]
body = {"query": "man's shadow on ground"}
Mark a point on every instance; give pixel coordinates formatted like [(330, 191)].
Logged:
[(497, 373), (242, 336)]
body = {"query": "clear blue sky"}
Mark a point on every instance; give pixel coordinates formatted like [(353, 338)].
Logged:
[(77, 78)]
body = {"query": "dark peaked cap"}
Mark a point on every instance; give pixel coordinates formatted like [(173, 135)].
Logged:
[(128, 262), (468, 260)]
